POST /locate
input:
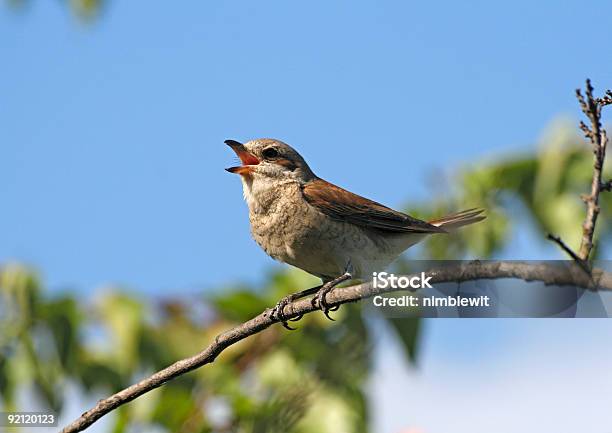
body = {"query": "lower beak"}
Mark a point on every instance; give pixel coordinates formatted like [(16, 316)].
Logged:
[(242, 170), (248, 159)]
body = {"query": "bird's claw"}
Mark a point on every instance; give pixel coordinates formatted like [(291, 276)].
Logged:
[(320, 301), (326, 312), (287, 327), (278, 314)]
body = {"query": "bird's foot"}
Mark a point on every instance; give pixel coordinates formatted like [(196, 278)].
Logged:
[(278, 312), (320, 299)]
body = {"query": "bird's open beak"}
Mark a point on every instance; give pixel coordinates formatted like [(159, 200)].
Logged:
[(248, 159)]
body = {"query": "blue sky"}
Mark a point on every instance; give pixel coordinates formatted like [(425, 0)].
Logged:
[(112, 133)]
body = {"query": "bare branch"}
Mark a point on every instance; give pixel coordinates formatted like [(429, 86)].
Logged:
[(591, 107), (546, 273)]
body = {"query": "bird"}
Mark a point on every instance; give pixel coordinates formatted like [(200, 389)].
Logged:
[(303, 220)]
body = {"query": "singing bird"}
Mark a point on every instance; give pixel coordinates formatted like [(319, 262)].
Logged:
[(334, 234)]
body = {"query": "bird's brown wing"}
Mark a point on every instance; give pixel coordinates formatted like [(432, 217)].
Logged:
[(343, 205)]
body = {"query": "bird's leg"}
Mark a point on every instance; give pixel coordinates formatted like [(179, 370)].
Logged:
[(277, 311), (320, 299)]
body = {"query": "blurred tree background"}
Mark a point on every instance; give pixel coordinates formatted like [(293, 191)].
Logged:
[(84, 9), (311, 380)]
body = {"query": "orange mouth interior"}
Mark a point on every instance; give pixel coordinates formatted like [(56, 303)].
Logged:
[(247, 159)]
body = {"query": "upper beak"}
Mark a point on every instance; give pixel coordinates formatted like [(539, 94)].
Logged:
[(247, 158)]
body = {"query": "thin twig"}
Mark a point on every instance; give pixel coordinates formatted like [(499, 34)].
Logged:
[(584, 265), (546, 273), (607, 99)]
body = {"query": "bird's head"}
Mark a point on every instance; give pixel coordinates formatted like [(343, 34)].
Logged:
[(269, 159)]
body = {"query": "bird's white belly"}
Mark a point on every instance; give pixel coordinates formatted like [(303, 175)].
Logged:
[(303, 237)]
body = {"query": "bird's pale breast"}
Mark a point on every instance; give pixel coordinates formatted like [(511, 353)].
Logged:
[(292, 231)]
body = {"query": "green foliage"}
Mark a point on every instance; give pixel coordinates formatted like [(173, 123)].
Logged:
[(407, 330), (274, 381)]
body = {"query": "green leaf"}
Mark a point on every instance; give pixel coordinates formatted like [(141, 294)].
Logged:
[(407, 331), (239, 305)]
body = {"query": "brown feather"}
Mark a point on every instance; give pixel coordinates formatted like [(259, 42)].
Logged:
[(343, 205), (459, 219)]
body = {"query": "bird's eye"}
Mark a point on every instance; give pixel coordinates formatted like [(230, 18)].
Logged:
[(270, 153)]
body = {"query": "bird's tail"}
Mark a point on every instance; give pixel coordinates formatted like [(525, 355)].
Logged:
[(458, 219)]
